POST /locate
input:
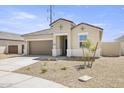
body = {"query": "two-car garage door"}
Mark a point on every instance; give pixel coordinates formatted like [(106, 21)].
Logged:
[(40, 47)]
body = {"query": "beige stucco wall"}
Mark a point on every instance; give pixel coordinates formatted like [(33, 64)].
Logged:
[(111, 49), (93, 34), (121, 40), (122, 48), (65, 31), (66, 27), (4, 45), (58, 44)]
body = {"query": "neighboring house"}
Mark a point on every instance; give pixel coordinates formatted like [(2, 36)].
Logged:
[(121, 40), (63, 37), (112, 49), (11, 43), (115, 48)]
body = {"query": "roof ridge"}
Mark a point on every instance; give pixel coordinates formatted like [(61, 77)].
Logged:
[(61, 19)]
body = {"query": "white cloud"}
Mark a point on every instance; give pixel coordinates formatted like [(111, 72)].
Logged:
[(102, 15), (4, 29), (39, 25), (65, 15), (9, 22), (60, 13), (42, 26), (70, 16), (23, 15), (100, 24)]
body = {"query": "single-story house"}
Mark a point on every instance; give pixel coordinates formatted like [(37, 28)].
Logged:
[(11, 43), (121, 40), (63, 37)]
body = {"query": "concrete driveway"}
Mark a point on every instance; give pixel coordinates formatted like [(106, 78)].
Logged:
[(11, 64), (9, 79)]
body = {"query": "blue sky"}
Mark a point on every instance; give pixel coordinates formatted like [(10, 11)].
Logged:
[(25, 19)]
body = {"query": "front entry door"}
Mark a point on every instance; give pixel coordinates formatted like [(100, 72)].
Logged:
[(65, 46)]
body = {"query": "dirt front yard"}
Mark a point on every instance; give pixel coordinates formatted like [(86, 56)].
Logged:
[(107, 72)]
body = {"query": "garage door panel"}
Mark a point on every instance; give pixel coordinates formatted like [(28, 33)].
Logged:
[(40, 47), (13, 49)]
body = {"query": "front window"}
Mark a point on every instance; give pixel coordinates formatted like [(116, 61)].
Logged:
[(82, 38)]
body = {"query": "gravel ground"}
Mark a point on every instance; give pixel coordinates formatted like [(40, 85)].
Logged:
[(107, 72)]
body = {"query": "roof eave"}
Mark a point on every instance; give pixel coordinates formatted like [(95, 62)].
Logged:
[(61, 19), (88, 25)]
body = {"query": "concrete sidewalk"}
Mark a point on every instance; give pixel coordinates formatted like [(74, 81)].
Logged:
[(15, 80)]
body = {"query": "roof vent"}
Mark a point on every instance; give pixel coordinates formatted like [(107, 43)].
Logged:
[(82, 28)]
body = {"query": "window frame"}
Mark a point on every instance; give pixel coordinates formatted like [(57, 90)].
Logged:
[(79, 34)]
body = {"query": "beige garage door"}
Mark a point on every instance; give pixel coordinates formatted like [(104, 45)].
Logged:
[(40, 47)]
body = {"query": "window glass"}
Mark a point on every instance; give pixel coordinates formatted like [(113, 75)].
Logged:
[(82, 38)]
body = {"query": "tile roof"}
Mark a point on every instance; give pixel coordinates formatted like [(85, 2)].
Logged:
[(75, 24), (88, 25), (41, 32), (121, 38), (62, 19), (10, 36)]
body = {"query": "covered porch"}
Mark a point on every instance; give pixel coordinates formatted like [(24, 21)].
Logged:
[(61, 45)]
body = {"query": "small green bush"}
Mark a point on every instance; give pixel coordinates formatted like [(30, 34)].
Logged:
[(28, 69), (44, 68), (63, 68)]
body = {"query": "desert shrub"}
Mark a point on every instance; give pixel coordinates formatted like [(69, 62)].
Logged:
[(86, 44), (88, 55), (45, 64), (28, 69), (63, 68), (51, 59), (44, 68)]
